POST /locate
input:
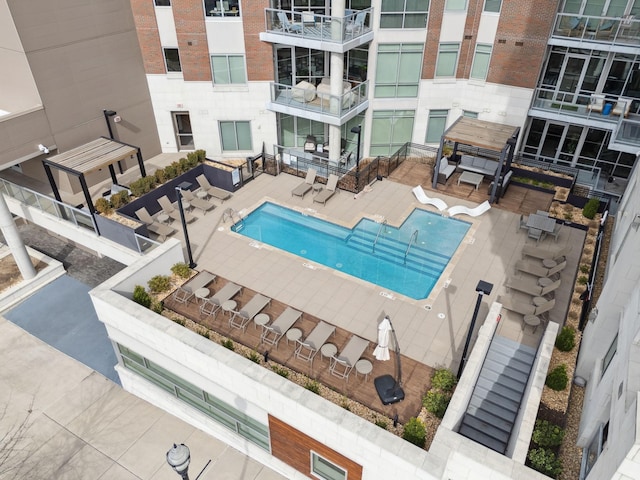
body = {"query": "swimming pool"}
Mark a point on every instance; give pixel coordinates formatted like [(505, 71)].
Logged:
[(371, 251)]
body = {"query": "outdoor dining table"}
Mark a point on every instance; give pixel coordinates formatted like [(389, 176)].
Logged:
[(542, 222)]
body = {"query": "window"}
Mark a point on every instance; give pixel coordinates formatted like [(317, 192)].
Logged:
[(235, 136), (224, 8), (456, 5), (592, 451), (404, 13), (436, 125), (228, 69), (492, 5), (221, 412), (447, 59), (163, 3), (469, 114), (323, 468), (481, 60), (390, 130), (398, 70), (172, 60), (608, 357), (182, 129)]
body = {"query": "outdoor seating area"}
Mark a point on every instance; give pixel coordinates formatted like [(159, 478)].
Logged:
[(292, 338), (538, 225)]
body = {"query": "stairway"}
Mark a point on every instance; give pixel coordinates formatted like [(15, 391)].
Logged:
[(498, 394)]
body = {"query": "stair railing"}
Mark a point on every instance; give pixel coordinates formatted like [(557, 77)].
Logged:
[(412, 240), (382, 225)]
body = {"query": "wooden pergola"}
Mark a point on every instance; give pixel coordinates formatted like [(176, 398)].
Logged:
[(495, 137), (88, 158)]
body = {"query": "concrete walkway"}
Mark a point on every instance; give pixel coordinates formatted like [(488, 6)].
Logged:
[(61, 420)]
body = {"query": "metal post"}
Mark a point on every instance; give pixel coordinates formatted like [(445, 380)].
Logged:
[(483, 288), (107, 114), (179, 458), (192, 264)]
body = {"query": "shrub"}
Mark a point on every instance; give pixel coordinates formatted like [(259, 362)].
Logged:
[(382, 423), (545, 461), (159, 283), (228, 344), (179, 321), (283, 372), (584, 268), (436, 402), (312, 386), (444, 379), (181, 269), (582, 280), (192, 159), (567, 339), (204, 333), (142, 185), (254, 357), (202, 155), (547, 434), (157, 306), (171, 171), (415, 432), (141, 296), (591, 208), (160, 176), (557, 379), (103, 205), (120, 199), (184, 165)]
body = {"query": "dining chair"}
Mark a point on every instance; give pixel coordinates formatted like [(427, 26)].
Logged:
[(535, 233)]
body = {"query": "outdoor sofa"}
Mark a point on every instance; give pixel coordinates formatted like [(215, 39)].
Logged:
[(480, 165)]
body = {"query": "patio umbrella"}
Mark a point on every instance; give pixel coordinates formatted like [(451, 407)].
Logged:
[(384, 333)]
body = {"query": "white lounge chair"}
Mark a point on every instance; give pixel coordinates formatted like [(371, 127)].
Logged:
[(308, 348), (199, 203), (327, 192), (526, 308), (211, 305), (530, 286), (341, 365), (215, 192), (272, 334), (302, 189), (472, 212), (184, 293), (426, 200), (242, 317)]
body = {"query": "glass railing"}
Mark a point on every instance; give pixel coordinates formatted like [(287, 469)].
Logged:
[(313, 26), (628, 132), (617, 30), (305, 96)]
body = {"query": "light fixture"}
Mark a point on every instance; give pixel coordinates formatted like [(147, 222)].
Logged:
[(483, 288), (179, 188), (107, 114), (179, 458), (43, 149)]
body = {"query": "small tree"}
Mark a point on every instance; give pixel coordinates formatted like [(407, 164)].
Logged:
[(415, 432), (591, 208), (141, 296)]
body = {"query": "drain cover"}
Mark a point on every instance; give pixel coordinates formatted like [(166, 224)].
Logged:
[(441, 316)]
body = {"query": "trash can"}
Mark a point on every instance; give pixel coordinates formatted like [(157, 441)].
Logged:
[(606, 110)]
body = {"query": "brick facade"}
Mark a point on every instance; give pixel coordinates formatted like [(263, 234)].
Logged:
[(436, 9), (260, 64), (144, 16), (192, 40)]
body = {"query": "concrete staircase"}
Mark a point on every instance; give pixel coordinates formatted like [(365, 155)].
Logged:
[(498, 393)]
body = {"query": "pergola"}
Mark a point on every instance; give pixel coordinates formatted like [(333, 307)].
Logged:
[(88, 158), (481, 134)]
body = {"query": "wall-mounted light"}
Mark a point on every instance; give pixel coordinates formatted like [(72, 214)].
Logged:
[(43, 149)]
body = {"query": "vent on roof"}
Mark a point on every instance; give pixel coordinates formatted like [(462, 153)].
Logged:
[(519, 44), (502, 40)]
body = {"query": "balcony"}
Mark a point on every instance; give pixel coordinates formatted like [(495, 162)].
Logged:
[(306, 101), (622, 31), (319, 32)]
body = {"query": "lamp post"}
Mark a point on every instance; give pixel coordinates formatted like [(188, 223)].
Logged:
[(178, 458), (358, 131), (179, 188), (107, 114), (483, 288)]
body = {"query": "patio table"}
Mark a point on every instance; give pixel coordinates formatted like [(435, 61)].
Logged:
[(544, 223), (471, 178)]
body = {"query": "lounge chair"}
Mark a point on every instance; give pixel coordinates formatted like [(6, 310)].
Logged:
[(341, 365), (308, 348), (215, 192), (272, 334), (543, 253), (184, 293), (212, 304), (530, 286), (160, 229), (173, 212), (425, 200), (242, 317), (287, 26), (327, 192), (622, 107), (196, 202), (535, 268), (596, 103), (525, 308), (557, 269), (356, 26), (472, 212), (302, 189)]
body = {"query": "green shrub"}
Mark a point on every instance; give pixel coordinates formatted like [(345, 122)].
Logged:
[(171, 171), (545, 461), (312, 386), (444, 380), (157, 306), (567, 339), (547, 434), (179, 321), (584, 268), (344, 403), (591, 208), (204, 333), (283, 372), (160, 176), (184, 165), (436, 402), (228, 344), (255, 357), (142, 185), (557, 379), (415, 432), (103, 206), (202, 155), (192, 159), (159, 283), (141, 296), (582, 280), (120, 199), (382, 423), (181, 269)]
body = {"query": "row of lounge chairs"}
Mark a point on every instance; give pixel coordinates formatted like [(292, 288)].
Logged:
[(323, 195), (440, 204)]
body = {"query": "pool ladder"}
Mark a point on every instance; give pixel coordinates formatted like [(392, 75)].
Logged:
[(384, 222), (235, 217), (412, 240)]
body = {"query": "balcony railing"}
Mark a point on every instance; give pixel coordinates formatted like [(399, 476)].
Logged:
[(307, 98), (616, 30), (312, 26)]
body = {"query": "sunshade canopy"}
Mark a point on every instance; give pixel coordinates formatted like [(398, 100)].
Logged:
[(480, 133), (92, 156)]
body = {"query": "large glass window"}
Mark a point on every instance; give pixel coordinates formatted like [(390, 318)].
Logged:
[(492, 5), (390, 130), (172, 60), (398, 69), (228, 69), (326, 470), (355, 63), (404, 13), (293, 131), (235, 136), (481, 60), (435, 125), (224, 8), (608, 357), (591, 453), (447, 59), (456, 5), (163, 3)]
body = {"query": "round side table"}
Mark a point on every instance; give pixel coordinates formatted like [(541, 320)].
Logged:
[(163, 218), (328, 350), (201, 194), (549, 263), (260, 320), (532, 321), (201, 293), (544, 282), (229, 306), (537, 301), (363, 367), (293, 334)]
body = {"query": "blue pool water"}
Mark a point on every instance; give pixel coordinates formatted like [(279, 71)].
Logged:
[(352, 250)]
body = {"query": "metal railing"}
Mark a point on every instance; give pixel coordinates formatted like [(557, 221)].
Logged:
[(412, 240), (622, 31), (382, 226)]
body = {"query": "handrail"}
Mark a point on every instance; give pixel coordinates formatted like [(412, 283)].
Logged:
[(229, 213), (412, 240), (384, 222)]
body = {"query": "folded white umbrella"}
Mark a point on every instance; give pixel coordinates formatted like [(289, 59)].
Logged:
[(384, 334)]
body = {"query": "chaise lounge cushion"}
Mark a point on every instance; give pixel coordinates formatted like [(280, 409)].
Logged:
[(484, 166), (303, 92), (445, 170)]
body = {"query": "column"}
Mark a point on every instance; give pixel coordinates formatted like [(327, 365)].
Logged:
[(14, 241)]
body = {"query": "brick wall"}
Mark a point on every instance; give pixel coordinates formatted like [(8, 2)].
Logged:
[(192, 40), (259, 54), (147, 29), (436, 9)]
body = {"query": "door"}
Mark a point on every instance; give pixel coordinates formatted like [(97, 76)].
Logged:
[(571, 78), (183, 131)]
